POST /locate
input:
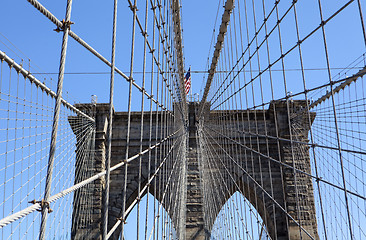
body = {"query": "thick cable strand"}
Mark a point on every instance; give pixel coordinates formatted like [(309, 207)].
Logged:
[(55, 120)]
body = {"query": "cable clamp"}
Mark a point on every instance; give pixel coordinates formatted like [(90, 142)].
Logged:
[(133, 8), (130, 79), (65, 24), (44, 204), (11, 64), (122, 220), (144, 33), (318, 179)]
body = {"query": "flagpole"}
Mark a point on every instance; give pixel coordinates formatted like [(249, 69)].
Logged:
[(190, 72), (189, 69)]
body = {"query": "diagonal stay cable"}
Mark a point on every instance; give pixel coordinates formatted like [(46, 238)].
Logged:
[(230, 175), (261, 187), (151, 49), (41, 85), (359, 74), (59, 24), (298, 142), (291, 167), (139, 194), (282, 56), (339, 87), (22, 213), (181, 151)]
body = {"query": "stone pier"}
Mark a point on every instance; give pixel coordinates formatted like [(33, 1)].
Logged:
[(259, 161)]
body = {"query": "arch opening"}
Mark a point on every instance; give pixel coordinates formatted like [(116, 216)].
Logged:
[(238, 218), (149, 219)]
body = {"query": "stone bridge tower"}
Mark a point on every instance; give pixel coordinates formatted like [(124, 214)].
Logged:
[(278, 224)]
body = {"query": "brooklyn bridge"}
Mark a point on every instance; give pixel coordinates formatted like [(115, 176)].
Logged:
[(272, 146)]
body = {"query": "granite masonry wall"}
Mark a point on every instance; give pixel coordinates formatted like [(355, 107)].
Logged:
[(258, 160)]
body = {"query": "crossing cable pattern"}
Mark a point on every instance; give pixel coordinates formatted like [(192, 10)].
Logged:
[(79, 173), (281, 151), (26, 120)]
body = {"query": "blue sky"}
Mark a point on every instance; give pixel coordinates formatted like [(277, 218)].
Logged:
[(26, 33), (33, 35)]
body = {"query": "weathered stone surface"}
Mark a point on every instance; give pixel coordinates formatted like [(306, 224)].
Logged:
[(274, 179), (255, 130)]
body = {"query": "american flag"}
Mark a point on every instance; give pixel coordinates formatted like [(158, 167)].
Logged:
[(187, 81)]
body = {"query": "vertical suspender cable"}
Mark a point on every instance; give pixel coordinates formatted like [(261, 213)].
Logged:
[(110, 121), (134, 9), (336, 123), (142, 120), (309, 121), (150, 118), (45, 208)]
